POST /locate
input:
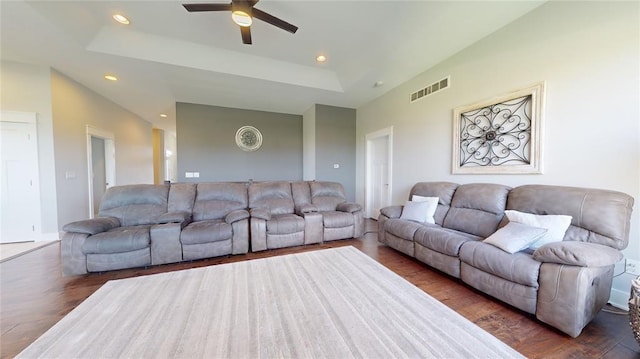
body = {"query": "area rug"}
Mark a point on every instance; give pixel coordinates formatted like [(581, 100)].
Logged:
[(332, 303)]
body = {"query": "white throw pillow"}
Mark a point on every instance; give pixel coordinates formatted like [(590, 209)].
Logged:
[(414, 211), (515, 237), (431, 209), (556, 225)]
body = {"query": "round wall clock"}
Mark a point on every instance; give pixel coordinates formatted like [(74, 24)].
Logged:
[(248, 138)]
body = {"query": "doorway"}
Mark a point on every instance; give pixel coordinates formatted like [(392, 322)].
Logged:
[(101, 165), (20, 216), (99, 172), (378, 171)]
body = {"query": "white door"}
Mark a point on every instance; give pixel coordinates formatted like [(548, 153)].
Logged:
[(19, 178), (378, 172)]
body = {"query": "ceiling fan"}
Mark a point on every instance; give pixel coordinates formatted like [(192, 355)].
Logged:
[(242, 13)]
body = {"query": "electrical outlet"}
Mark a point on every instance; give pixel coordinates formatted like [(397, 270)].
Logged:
[(632, 267)]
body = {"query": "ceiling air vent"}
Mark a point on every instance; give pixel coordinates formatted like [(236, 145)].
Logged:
[(431, 89)]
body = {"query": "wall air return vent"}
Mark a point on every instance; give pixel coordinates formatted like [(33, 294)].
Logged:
[(431, 89)]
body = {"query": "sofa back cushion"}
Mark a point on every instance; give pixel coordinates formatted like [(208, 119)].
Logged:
[(326, 195), (598, 216), (135, 204), (216, 200), (477, 208), (443, 190), (301, 193), (274, 196), (182, 197)]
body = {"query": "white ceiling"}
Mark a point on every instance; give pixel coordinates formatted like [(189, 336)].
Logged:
[(168, 55)]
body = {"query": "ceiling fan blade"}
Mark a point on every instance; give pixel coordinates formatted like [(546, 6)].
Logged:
[(246, 35), (207, 7), (259, 14)]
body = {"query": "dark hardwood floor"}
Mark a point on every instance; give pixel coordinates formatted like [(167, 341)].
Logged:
[(34, 296)]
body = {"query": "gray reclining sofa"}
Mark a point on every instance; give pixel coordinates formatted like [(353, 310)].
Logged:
[(287, 214), (563, 283), (141, 225)]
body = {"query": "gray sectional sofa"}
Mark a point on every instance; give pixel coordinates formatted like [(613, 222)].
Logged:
[(141, 225), (564, 281)]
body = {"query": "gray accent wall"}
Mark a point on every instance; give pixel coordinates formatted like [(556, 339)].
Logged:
[(335, 144), (309, 144), (206, 144)]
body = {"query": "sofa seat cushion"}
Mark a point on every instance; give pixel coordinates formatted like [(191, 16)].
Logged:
[(519, 267), (285, 224), (208, 231), (443, 240), (118, 240), (334, 219), (402, 228)]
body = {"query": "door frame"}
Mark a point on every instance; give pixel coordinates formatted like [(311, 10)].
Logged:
[(109, 160), (369, 138)]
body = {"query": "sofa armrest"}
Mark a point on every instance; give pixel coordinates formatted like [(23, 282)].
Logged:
[(183, 217), (74, 261), (236, 215), (305, 208), (261, 213), (391, 211), (165, 243), (92, 226), (582, 254), (348, 207)]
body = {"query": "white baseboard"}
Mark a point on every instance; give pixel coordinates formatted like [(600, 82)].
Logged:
[(619, 299), (47, 237), (34, 237)]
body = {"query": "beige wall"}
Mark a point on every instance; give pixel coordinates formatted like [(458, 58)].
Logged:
[(74, 107), (64, 108), (158, 156), (27, 88), (588, 54)]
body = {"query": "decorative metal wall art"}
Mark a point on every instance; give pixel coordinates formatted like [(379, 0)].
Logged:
[(502, 135), (248, 138)]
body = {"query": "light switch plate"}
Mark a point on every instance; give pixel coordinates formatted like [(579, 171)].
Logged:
[(632, 267)]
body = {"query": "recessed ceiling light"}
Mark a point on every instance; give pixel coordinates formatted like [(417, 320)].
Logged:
[(378, 84), (121, 19), (110, 77), (321, 58), (163, 115)]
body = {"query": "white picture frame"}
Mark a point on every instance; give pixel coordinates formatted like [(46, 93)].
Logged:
[(501, 135)]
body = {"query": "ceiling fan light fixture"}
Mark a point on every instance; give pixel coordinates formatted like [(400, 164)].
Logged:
[(241, 18)]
